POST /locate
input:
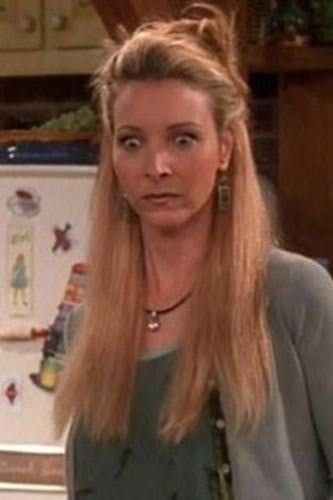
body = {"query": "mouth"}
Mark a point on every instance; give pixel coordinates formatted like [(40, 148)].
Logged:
[(160, 198)]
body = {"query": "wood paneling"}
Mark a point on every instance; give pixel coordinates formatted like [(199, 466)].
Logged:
[(306, 162)]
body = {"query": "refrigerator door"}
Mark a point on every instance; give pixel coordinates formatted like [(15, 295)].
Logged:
[(44, 213)]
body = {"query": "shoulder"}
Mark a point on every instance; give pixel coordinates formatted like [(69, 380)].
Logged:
[(288, 271), (298, 287)]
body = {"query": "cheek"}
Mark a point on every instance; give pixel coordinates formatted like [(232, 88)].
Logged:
[(128, 182), (203, 179), (206, 188)]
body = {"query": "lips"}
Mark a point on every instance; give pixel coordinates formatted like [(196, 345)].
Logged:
[(160, 198), (160, 195)]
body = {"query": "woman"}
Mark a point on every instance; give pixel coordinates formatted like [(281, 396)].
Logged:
[(190, 312)]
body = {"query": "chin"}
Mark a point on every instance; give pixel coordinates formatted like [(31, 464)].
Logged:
[(165, 222)]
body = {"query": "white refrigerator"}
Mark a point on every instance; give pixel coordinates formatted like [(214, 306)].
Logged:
[(44, 214)]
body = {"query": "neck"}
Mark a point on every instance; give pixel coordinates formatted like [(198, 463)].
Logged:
[(173, 260)]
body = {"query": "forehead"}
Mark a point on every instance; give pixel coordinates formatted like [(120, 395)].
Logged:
[(156, 101)]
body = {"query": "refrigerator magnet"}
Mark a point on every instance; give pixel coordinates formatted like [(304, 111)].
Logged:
[(11, 393), (24, 202), (62, 238), (19, 265)]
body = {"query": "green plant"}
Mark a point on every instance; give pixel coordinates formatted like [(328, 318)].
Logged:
[(84, 119)]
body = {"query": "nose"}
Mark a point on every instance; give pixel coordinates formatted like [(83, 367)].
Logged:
[(158, 164)]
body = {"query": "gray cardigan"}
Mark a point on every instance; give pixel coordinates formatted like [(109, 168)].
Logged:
[(291, 455)]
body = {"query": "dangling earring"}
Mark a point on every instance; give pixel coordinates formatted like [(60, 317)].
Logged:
[(124, 206), (223, 193)]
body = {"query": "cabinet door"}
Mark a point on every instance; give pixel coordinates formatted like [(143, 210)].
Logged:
[(20, 24), (72, 24), (306, 160)]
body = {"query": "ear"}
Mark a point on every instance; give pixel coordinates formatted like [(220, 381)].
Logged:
[(226, 144)]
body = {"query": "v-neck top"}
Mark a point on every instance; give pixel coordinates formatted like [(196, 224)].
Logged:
[(143, 467)]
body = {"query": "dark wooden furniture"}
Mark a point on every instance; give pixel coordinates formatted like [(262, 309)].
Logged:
[(305, 174), (306, 162)]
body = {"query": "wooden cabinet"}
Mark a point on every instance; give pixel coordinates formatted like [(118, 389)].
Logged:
[(305, 180), (41, 37), (20, 25), (72, 24), (305, 173)]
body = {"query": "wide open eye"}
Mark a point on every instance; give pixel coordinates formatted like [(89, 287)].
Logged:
[(129, 142), (185, 139)]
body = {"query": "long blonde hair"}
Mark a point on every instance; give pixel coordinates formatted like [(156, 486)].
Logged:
[(225, 338)]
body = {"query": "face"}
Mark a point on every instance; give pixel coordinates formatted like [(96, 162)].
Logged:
[(167, 151)]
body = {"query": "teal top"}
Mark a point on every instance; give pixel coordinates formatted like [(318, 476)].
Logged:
[(143, 467)]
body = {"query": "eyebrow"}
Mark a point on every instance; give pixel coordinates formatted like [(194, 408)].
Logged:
[(174, 126)]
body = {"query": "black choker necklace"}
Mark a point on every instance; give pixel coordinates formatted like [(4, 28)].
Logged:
[(153, 315)]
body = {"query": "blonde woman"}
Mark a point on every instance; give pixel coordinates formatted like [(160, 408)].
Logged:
[(202, 367)]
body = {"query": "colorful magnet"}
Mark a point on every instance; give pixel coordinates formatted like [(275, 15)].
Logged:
[(24, 202), (20, 254), (11, 393), (63, 239), (56, 342)]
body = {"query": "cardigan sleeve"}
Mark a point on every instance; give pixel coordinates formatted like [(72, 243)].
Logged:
[(313, 322)]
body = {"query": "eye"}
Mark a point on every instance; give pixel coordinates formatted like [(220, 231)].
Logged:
[(185, 139), (129, 142)]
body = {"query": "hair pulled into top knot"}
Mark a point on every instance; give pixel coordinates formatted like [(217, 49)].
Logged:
[(199, 48), (216, 31)]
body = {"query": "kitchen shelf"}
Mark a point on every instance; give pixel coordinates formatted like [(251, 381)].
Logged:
[(50, 62), (22, 171)]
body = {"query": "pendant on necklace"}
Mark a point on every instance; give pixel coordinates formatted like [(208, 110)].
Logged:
[(154, 322), (154, 316)]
